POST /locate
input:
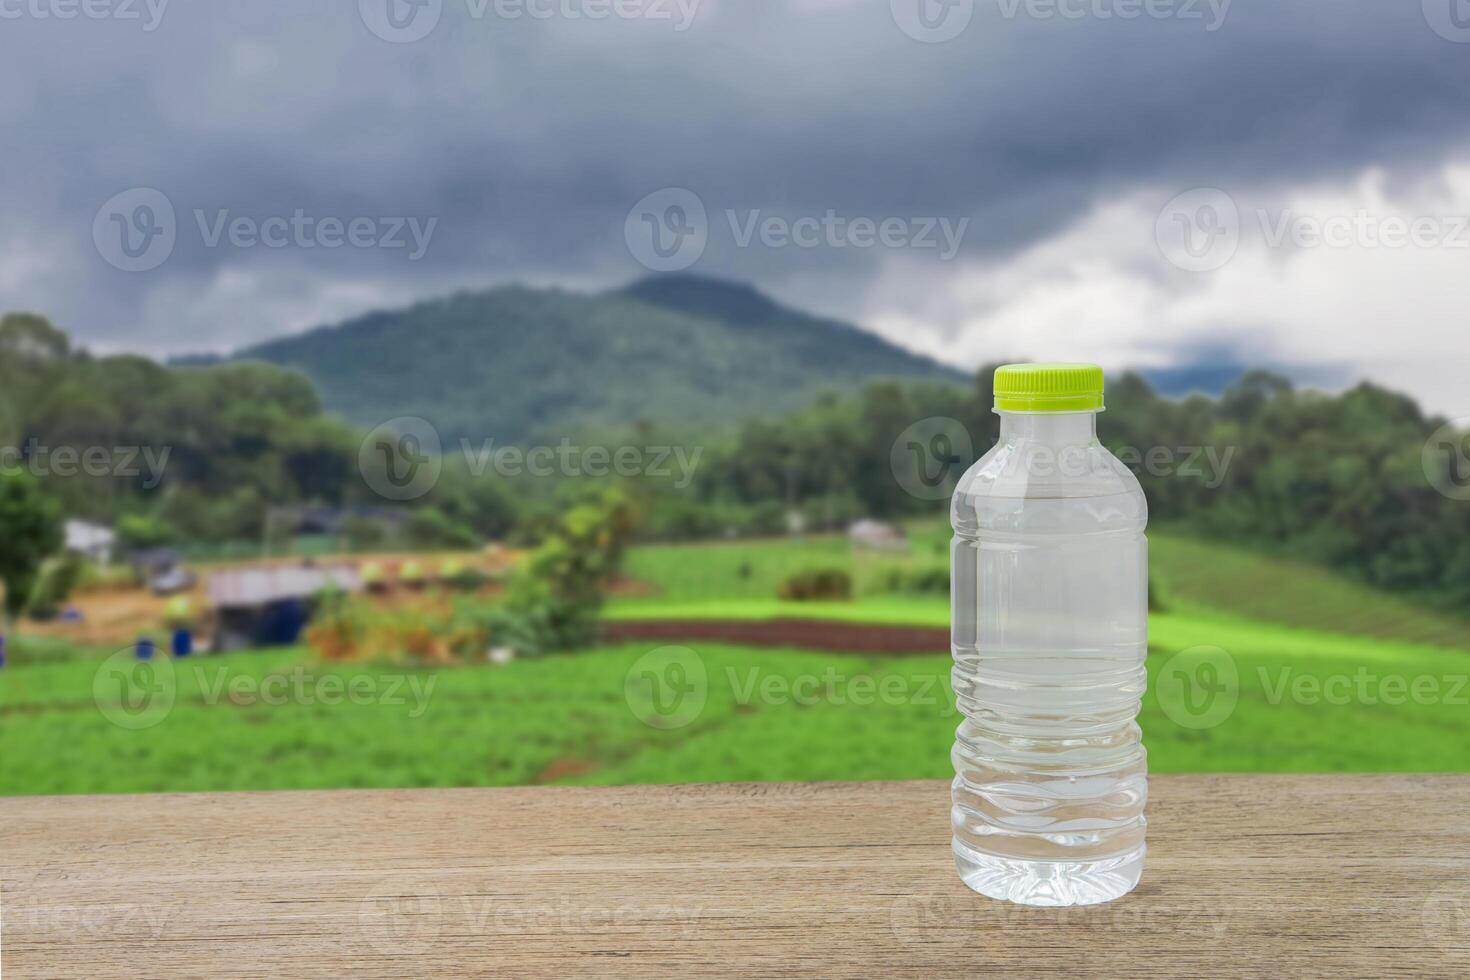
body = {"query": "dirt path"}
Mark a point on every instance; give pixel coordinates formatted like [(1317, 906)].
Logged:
[(810, 634)]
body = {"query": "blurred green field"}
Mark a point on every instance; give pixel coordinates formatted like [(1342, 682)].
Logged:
[(769, 714), (1305, 672), (1191, 575)]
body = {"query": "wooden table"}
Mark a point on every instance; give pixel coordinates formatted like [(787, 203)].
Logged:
[(1258, 875)]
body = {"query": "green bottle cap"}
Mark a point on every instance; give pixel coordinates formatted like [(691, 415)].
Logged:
[(1049, 388)]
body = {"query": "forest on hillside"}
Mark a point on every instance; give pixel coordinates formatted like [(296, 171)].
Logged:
[(180, 454)]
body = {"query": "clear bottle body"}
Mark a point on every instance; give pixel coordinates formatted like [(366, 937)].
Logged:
[(1049, 634)]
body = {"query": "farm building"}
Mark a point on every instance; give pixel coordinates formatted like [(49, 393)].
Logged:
[(877, 536), (257, 607), (90, 540)]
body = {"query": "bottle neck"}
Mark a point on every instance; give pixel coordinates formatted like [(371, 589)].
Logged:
[(1056, 430)]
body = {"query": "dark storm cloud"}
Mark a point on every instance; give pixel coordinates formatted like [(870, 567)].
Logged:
[(527, 140)]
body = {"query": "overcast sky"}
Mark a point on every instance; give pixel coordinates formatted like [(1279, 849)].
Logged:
[(974, 180)]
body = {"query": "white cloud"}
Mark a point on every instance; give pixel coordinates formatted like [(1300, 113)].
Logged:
[(1102, 290)]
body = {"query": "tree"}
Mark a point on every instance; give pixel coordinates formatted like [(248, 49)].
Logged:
[(555, 596), (30, 532)]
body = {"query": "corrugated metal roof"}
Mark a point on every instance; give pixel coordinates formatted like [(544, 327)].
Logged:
[(258, 586)]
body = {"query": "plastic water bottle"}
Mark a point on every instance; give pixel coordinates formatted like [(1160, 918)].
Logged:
[(1049, 634)]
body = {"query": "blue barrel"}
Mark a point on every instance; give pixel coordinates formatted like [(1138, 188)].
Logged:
[(145, 648), (2, 651), (183, 643)]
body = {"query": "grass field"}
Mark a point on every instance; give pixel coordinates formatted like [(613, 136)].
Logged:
[(1203, 577), (1317, 675)]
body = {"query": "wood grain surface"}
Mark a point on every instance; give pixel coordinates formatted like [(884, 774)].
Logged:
[(1247, 875)]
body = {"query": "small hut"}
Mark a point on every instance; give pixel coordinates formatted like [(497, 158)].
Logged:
[(877, 536), (261, 607)]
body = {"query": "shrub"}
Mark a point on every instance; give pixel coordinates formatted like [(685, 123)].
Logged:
[(58, 578), (929, 580), (137, 532), (433, 528), (554, 598), (817, 584)]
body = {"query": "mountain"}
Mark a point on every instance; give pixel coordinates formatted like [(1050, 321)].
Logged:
[(516, 364), (1214, 374)]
